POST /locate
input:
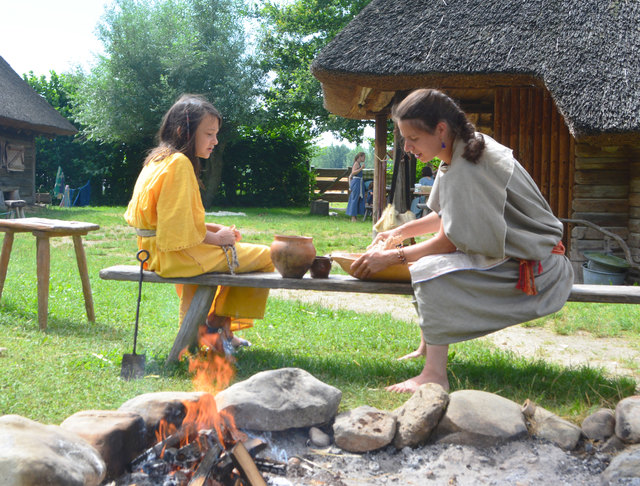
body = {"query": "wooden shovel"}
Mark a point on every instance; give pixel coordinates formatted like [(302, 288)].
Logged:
[(133, 364)]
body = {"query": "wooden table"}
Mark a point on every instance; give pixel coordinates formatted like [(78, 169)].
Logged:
[(43, 229)]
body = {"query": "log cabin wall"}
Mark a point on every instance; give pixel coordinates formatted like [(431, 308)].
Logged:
[(21, 180), (607, 193)]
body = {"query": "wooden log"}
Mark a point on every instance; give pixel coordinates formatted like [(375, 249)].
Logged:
[(598, 177), (244, 463), (600, 205), (600, 191), (206, 466)]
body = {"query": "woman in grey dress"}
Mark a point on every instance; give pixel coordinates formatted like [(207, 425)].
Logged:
[(496, 258)]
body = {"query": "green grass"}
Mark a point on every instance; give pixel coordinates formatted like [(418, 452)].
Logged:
[(75, 364)]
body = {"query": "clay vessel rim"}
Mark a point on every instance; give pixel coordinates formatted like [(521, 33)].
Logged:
[(294, 236)]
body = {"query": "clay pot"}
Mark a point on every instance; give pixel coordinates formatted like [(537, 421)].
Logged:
[(292, 255), (320, 267)]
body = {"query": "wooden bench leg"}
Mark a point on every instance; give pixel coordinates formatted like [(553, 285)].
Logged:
[(7, 244), (81, 258), (196, 316), (43, 261)]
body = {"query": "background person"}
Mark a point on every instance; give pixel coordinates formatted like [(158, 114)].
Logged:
[(496, 258), (166, 210), (355, 205)]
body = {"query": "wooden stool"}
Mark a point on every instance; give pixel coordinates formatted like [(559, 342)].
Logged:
[(15, 207), (44, 229)]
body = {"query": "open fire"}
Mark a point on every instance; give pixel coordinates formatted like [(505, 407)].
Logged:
[(207, 449)]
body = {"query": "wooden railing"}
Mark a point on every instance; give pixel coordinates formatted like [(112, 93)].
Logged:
[(333, 184)]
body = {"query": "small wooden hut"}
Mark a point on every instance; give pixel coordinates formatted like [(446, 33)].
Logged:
[(24, 114), (557, 81)]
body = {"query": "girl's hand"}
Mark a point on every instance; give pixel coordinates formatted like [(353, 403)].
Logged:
[(236, 232), (372, 262), (225, 237)]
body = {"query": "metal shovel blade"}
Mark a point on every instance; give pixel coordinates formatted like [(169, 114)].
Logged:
[(132, 366)]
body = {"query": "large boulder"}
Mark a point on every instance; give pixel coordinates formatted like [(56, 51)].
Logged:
[(548, 426), (118, 436), (280, 399), (364, 429), (419, 415), (624, 468), (33, 454), (168, 409), (628, 419), (480, 418)]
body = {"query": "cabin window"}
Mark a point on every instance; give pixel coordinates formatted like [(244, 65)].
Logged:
[(15, 158)]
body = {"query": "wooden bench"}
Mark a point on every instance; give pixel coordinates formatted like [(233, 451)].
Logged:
[(208, 283)]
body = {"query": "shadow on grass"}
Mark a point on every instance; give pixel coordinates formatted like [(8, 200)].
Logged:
[(10, 314), (501, 373)]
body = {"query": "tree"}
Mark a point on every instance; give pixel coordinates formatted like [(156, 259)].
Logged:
[(155, 51), (81, 160), (290, 37)]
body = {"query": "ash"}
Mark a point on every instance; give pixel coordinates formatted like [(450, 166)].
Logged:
[(523, 463)]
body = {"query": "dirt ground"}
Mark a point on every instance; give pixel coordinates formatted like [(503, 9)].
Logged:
[(612, 354)]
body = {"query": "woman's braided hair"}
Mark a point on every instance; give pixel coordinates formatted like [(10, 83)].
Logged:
[(425, 108)]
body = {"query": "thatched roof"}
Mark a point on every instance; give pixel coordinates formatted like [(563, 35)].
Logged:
[(22, 108), (585, 52)]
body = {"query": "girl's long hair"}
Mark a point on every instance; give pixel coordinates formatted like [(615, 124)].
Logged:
[(425, 108), (178, 129)]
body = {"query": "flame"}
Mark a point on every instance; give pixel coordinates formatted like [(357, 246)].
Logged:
[(212, 373)]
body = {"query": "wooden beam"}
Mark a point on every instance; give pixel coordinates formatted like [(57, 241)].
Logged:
[(380, 167)]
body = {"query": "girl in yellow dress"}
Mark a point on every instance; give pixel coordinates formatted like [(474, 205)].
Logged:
[(167, 212)]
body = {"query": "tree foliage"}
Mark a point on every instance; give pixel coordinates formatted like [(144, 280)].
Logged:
[(80, 159), (271, 167), (291, 35), (157, 50)]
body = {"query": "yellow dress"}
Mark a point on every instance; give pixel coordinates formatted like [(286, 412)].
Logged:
[(166, 199)]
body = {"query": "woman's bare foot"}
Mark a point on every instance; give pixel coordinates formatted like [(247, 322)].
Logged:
[(412, 384), (421, 351)]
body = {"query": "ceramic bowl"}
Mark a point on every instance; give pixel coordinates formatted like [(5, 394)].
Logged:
[(394, 273)]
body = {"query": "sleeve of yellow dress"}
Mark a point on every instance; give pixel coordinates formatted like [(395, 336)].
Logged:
[(180, 211)]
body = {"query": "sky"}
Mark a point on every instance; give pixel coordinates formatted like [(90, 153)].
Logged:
[(44, 35)]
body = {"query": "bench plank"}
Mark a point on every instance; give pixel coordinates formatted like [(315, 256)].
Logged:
[(606, 294)]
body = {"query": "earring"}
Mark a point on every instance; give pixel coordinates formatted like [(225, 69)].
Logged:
[(443, 145)]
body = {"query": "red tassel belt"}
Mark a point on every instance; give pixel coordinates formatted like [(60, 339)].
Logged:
[(526, 281)]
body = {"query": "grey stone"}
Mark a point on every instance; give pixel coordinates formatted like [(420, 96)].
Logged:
[(613, 444), (280, 399), (318, 438), (625, 465), (118, 436), (546, 425), (628, 419), (33, 454), (167, 408), (480, 418), (600, 425), (419, 415), (364, 429)]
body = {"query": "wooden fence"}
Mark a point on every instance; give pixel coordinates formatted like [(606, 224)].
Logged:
[(333, 184)]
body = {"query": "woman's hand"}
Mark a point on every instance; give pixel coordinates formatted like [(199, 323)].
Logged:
[(372, 262), (385, 240)]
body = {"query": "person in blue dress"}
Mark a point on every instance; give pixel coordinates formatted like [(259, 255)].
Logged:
[(425, 180), (355, 206)]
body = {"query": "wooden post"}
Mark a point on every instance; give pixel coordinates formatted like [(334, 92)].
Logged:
[(380, 167), (43, 262), (7, 244), (81, 259)]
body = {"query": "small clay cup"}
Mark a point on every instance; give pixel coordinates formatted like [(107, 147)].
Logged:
[(320, 267)]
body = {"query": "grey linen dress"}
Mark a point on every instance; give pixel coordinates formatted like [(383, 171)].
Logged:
[(496, 216)]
